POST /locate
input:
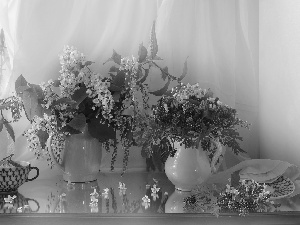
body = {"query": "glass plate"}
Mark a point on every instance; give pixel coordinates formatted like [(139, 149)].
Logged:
[(282, 187)]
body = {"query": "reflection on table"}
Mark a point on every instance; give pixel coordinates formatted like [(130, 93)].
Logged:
[(134, 192)]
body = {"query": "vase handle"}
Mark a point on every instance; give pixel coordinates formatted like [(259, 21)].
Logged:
[(219, 153), (52, 154)]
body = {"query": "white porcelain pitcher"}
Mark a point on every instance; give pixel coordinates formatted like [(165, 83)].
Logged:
[(190, 166)]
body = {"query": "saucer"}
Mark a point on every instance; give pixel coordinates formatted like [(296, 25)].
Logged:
[(281, 188)]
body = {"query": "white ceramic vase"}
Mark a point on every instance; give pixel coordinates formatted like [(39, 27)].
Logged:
[(188, 167), (81, 158)]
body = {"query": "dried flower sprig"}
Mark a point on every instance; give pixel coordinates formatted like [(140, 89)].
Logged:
[(15, 106), (248, 196)]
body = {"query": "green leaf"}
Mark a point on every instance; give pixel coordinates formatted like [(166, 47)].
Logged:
[(10, 130), (115, 58), (1, 124), (30, 102), (184, 72), (113, 71), (164, 74), (56, 83), (38, 91), (43, 137), (78, 122), (63, 101), (168, 93), (163, 90), (142, 53), (40, 111), (88, 63), (142, 80), (114, 88), (116, 96), (128, 111), (100, 131), (80, 94), (21, 84), (153, 47), (20, 90), (119, 79), (70, 130), (193, 101)]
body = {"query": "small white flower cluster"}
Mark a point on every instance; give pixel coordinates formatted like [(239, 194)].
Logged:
[(50, 96), (138, 94), (105, 194), (155, 191), (146, 202), (129, 64), (69, 60), (250, 184), (97, 88), (94, 200), (185, 92), (212, 100), (14, 104), (122, 189), (45, 124), (74, 73), (131, 67), (249, 195)]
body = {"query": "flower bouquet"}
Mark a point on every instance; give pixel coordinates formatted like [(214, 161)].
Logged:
[(192, 116), (107, 105)]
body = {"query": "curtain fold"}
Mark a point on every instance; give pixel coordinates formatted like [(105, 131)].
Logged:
[(279, 80)]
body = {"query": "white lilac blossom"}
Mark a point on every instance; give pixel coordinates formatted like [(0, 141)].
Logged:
[(72, 75), (45, 124), (50, 96), (155, 191), (68, 79), (130, 64), (105, 194), (185, 92), (97, 89), (9, 199), (146, 202)]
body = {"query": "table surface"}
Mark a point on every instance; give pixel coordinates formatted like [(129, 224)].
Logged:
[(119, 197)]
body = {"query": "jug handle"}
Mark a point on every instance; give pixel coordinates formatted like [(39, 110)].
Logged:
[(36, 202), (52, 154), (219, 152)]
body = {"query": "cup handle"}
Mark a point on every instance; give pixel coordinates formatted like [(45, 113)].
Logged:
[(37, 173), (36, 202)]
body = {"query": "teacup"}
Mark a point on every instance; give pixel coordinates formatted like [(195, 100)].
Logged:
[(19, 204), (12, 177)]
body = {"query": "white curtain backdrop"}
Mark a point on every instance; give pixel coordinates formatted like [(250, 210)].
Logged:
[(220, 37), (279, 79)]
